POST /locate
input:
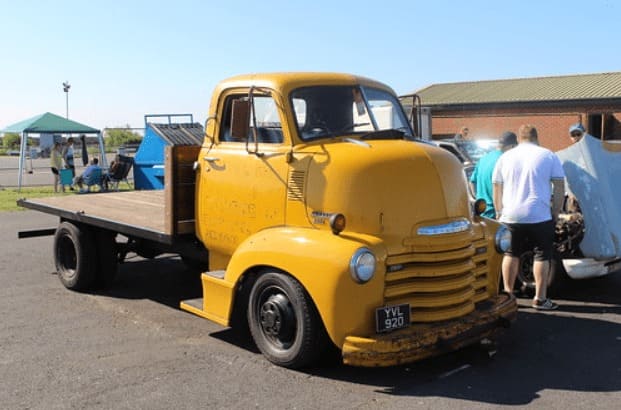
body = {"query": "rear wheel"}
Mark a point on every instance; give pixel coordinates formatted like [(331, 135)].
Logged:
[(284, 322), (74, 256), (107, 258)]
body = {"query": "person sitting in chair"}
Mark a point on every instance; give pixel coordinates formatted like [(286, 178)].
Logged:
[(92, 168), (110, 176)]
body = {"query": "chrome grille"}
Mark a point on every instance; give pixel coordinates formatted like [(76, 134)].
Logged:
[(438, 284)]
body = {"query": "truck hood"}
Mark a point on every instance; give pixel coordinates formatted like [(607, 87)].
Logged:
[(592, 168), (388, 189)]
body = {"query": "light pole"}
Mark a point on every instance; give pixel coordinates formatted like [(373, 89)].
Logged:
[(66, 87)]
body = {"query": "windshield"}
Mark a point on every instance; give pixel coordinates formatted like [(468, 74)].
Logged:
[(475, 149), (330, 111)]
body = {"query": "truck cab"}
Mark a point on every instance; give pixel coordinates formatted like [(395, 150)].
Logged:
[(326, 221)]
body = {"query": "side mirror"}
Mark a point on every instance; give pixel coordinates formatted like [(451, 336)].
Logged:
[(240, 120)]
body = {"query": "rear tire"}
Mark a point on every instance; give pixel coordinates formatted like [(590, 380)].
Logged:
[(74, 256), (284, 322), (107, 258)]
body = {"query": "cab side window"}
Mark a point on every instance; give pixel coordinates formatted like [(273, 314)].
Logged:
[(268, 125)]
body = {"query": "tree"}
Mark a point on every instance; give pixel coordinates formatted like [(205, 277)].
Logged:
[(11, 140), (115, 137)]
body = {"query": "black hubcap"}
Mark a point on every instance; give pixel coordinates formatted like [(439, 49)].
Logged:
[(277, 318)]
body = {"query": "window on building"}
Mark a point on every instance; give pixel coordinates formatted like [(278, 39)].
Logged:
[(595, 125)]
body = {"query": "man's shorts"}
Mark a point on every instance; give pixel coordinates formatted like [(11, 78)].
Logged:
[(536, 237)]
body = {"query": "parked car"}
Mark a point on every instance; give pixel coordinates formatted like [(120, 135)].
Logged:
[(588, 229), (469, 152)]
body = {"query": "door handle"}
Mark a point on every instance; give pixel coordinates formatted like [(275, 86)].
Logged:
[(211, 159)]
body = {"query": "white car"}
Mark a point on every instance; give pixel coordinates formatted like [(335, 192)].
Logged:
[(592, 168)]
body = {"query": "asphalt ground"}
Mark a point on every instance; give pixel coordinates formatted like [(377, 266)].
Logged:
[(131, 347)]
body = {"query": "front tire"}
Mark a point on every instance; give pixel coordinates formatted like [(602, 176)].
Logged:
[(284, 322), (74, 256)]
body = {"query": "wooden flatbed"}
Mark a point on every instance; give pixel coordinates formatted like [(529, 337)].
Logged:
[(134, 213), (162, 216)]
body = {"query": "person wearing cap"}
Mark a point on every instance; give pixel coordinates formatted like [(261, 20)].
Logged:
[(462, 134), (523, 179), (576, 132), (481, 179)]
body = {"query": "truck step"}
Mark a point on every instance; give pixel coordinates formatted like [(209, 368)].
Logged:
[(218, 274), (193, 303)]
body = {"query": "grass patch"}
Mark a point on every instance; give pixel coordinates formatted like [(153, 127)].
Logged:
[(9, 196)]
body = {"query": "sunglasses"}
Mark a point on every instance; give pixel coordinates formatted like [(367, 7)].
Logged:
[(576, 134)]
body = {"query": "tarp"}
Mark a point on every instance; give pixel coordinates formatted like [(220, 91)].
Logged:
[(49, 123)]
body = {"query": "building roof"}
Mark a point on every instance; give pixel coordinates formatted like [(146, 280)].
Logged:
[(539, 89), (51, 124)]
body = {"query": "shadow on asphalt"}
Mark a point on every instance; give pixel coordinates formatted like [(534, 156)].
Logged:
[(605, 289), (165, 280), (541, 351)]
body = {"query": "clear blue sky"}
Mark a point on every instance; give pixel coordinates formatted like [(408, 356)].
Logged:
[(128, 58)]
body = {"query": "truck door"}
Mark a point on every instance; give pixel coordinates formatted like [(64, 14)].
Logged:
[(241, 192)]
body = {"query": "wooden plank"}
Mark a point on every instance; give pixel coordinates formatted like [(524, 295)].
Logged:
[(169, 189), (179, 181), (139, 209)]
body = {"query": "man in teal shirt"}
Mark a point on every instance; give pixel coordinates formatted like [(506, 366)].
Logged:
[(481, 178)]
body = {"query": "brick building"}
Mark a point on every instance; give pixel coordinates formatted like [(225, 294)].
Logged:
[(551, 104)]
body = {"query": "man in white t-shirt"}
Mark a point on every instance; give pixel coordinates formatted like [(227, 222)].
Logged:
[(523, 179)]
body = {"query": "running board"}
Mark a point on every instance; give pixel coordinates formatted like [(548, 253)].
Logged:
[(217, 299)]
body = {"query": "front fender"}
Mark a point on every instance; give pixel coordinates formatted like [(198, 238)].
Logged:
[(319, 260)]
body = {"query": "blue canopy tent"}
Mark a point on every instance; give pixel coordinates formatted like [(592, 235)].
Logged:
[(49, 123)]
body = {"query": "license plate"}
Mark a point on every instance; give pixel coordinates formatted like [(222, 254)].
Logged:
[(389, 318)]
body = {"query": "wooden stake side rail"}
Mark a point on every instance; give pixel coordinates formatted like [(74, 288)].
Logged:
[(135, 213)]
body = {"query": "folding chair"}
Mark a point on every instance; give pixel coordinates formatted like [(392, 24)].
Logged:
[(95, 178), (120, 173)]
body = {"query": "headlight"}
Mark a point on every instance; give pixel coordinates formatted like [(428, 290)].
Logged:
[(362, 265), (503, 239)]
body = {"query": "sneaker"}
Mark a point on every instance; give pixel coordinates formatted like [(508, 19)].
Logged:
[(544, 304)]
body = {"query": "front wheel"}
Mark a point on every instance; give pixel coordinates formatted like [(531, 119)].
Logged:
[(284, 322)]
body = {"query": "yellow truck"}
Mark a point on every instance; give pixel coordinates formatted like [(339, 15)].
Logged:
[(318, 219)]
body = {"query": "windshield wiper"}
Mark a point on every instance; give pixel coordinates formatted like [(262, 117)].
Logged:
[(350, 127)]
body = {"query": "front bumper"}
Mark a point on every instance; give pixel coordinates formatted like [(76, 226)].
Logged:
[(423, 340), (590, 268)]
